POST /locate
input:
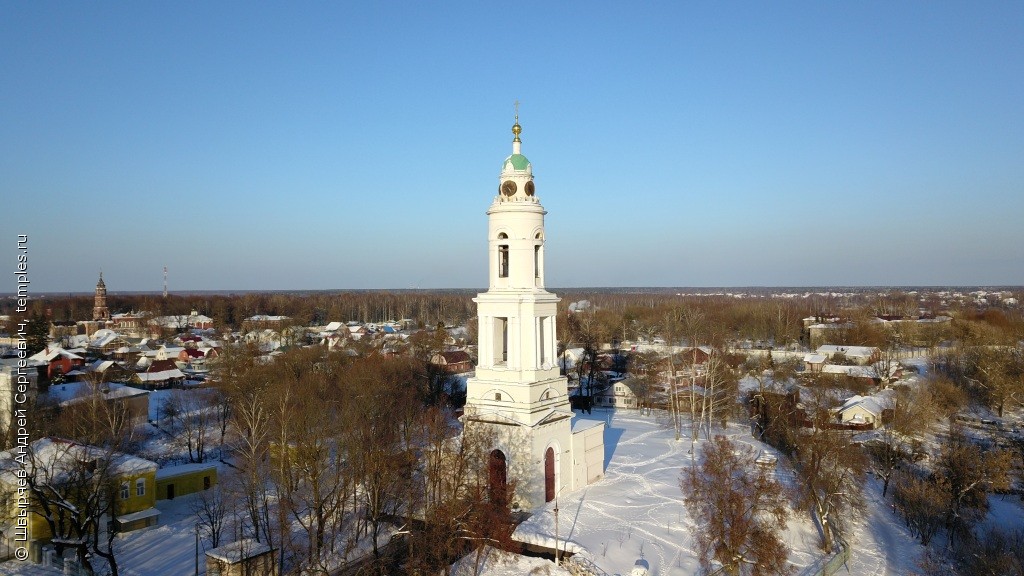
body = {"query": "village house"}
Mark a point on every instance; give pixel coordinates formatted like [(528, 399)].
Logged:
[(172, 481), (335, 340), (453, 362), (813, 363), (180, 323), (866, 375), (107, 371), (129, 323), (160, 374), (61, 330), (56, 361), (819, 330), (105, 341), (866, 411), (862, 355), (133, 401), (617, 394), (262, 321), (61, 464)]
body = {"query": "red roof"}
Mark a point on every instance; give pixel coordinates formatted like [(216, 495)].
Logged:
[(162, 365), (456, 357)]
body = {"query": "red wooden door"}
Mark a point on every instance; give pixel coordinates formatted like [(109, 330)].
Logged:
[(497, 478), (549, 475)]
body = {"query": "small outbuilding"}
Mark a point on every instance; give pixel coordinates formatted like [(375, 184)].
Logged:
[(242, 558), (173, 481)]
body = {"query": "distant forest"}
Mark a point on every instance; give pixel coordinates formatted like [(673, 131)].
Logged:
[(621, 312)]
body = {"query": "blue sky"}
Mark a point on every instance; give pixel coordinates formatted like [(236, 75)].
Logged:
[(343, 145)]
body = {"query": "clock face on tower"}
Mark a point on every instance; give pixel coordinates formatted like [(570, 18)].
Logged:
[(529, 188), (508, 188)]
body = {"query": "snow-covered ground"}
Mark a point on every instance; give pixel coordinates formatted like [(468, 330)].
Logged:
[(167, 549), (637, 510)]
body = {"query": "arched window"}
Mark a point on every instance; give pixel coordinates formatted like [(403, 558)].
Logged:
[(503, 257), (536, 255)]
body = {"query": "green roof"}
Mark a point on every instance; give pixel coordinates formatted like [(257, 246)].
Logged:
[(519, 162)]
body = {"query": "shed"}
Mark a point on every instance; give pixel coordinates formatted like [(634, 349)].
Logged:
[(184, 479), (242, 558)]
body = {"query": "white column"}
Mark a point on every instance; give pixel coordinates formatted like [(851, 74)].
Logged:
[(486, 335), (515, 344), (538, 347)]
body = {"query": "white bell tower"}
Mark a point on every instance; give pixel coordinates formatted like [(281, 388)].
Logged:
[(517, 389)]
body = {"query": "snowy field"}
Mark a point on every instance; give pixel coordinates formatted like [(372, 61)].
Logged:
[(636, 511)]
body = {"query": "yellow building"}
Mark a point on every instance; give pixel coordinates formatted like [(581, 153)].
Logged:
[(174, 481), (70, 468)]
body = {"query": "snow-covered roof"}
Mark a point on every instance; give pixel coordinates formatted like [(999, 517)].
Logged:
[(59, 456), (101, 365), (140, 515), (579, 424), (237, 551), (50, 353), (74, 391), (848, 351), (103, 337), (815, 358), (851, 371), (182, 469), (872, 404), (493, 562), (160, 376), (266, 318)]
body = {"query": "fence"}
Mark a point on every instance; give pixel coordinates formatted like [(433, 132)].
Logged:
[(577, 565), (69, 566), (829, 565), (837, 561)]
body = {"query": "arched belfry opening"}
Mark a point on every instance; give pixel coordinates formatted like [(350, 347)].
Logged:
[(503, 256)]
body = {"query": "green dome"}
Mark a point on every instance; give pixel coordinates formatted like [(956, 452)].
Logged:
[(519, 162)]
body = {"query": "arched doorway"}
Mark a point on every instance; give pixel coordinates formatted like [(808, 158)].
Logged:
[(497, 478), (549, 475)]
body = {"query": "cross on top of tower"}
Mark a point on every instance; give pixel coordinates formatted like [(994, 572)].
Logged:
[(516, 128)]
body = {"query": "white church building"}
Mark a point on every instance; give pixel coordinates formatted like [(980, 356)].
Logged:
[(518, 392)]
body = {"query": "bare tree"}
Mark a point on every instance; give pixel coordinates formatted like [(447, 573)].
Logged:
[(966, 473), (75, 487), (1000, 373), (248, 386), (191, 419), (211, 508), (721, 387), (896, 444), (831, 468), (741, 509), (922, 504), (460, 511), (993, 553)]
